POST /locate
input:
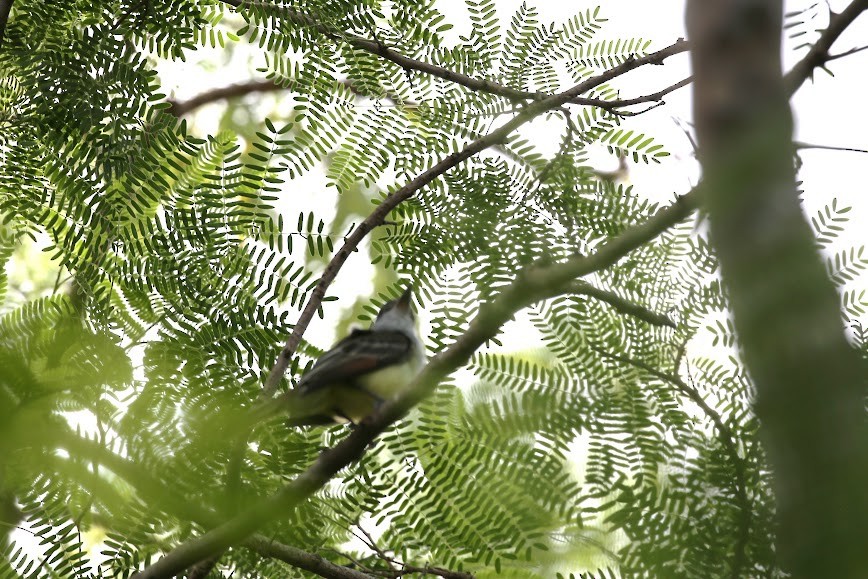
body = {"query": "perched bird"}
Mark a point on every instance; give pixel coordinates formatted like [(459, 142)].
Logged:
[(362, 371)]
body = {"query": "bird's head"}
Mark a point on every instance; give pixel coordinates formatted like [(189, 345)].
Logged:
[(397, 314)]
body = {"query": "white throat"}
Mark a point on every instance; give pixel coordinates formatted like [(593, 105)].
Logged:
[(396, 320)]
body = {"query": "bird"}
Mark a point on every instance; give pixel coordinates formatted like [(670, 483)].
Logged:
[(362, 371)]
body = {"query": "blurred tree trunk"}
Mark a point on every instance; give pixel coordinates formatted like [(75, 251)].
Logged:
[(809, 381)]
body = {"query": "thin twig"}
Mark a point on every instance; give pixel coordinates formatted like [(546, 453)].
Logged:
[(620, 304), (657, 96), (800, 145), (832, 57), (405, 569), (372, 544)]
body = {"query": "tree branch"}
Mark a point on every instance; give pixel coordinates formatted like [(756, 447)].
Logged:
[(398, 196), (406, 569), (617, 104), (181, 108), (167, 499), (302, 559), (484, 85), (810, 382), (5, 8), (818, 55), (532, 284), (832, 57), (802, 146), (236, 90), (620, 304)]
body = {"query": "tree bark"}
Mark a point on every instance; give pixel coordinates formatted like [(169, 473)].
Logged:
[(810, 388)]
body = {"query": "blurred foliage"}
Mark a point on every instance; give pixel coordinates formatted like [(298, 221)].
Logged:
[(180, 278)]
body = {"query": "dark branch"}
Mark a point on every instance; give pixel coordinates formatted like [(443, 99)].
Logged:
[(181, 108), (5, 8), (846, 53), (801, 146), (818, 55), (617, 104), (369, 541), (481, 85), (620, 304), (302, 559)]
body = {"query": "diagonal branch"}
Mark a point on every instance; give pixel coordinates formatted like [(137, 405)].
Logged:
[(531, 285), (846, 53), (378, 48), (240, 89), (181, 108), (620, 304), (167, 499), (400, 195), (818, 55)]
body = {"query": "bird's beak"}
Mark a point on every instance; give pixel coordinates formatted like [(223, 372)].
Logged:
[(403, 303)]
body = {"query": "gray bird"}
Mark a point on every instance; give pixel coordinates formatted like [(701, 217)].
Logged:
[(365, 369)]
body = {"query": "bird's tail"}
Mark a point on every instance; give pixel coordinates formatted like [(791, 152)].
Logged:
[(300, 409), (318, 420)]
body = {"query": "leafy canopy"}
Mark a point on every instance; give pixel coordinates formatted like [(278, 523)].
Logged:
[(180, 273)]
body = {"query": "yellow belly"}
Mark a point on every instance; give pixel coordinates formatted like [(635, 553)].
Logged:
[(355, 403)]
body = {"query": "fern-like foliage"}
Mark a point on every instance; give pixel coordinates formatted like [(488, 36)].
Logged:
[(180, 272)]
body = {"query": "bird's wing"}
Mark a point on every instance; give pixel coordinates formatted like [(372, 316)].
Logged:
[(358, 354)]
